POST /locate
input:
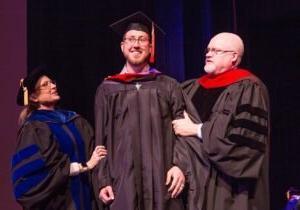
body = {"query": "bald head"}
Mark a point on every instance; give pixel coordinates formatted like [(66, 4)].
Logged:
[(230, 41)]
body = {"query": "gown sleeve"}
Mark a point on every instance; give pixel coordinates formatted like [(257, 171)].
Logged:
[(38, 167), (101, 177), (180, 153), (236, 135), (87, 132)]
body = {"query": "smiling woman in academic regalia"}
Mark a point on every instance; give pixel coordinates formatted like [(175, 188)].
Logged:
[(55, 150)]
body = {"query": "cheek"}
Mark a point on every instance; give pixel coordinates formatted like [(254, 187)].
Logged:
[(227, 62), (221, 62), (44, 95), (147, 49), (217, 62)]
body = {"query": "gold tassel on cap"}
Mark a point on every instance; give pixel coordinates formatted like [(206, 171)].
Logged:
[(25, 92)]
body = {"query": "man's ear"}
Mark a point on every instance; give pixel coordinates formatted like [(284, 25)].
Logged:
[(234, 58), (122, 46)]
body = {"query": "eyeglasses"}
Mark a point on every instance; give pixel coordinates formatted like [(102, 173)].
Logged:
[(132, 40), (215, 51), (46, 84)]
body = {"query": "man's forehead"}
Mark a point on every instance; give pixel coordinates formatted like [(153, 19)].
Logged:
[(136, 33), (217, 43), (223, 41)]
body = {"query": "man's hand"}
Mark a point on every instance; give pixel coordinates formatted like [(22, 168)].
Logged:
[(185, 126), (106, 195), (176, 180)]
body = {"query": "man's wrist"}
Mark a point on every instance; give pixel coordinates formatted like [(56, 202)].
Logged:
[(199, 131)]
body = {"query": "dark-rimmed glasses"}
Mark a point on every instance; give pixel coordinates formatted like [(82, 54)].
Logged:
[(132, 40), (46, 84), (215, 51)]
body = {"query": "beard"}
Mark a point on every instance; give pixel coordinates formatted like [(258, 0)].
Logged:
[(137, 60), (210, 68)]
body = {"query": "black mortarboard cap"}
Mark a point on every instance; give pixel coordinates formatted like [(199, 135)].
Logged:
[(27, 85), (136, 21)]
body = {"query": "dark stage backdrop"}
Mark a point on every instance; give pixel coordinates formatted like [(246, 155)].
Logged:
[(74, 37)]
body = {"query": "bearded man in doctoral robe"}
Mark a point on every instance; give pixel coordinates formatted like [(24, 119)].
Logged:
[(233, 106)]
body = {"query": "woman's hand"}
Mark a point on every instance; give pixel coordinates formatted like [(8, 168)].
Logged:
[(99, 153)]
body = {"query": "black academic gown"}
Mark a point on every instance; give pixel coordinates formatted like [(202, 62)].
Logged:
[(235, 131), (133, 120), (47, 143)]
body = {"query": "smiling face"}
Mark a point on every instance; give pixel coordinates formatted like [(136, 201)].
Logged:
[(45, 95), (136, 47), (224, 52)]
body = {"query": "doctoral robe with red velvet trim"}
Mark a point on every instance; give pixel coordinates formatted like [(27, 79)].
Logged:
[(236, 128)]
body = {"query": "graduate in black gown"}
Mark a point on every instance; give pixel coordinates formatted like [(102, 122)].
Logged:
[(55, 150), (144, 168)]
